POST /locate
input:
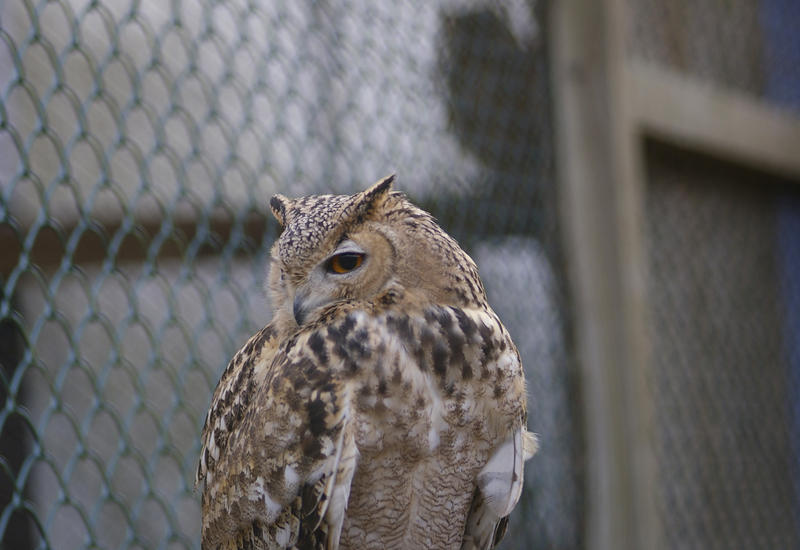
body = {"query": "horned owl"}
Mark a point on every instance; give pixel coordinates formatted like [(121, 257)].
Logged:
[(384, 404)]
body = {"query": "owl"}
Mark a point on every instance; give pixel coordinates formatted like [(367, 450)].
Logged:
[(382, 407)]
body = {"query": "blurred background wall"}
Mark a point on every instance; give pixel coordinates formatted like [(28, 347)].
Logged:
[(623, 171)]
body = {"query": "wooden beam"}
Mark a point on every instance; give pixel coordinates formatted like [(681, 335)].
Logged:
[(684, 111), (142, 240), (145, 238)]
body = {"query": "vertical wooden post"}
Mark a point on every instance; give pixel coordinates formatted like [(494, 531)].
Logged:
[(601, 199)]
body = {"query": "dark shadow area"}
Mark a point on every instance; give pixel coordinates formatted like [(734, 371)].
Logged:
[(14, 440), (499, 109)]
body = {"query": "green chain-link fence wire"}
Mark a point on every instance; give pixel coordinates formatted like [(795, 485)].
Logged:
[(139, 144)]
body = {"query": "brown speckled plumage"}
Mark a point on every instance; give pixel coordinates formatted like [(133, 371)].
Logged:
[(382, 407)]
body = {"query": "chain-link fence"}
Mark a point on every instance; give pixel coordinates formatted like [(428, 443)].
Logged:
[(747, 46), (139, 145), (141, 140), (722, 371)]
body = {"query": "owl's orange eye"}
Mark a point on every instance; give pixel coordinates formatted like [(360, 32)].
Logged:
[(345, 262)]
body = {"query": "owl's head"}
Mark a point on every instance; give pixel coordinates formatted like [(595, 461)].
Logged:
[(354, 247)]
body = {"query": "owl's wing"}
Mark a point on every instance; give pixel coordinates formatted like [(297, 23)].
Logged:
[(499, 486), (278, 451), (231, 397)]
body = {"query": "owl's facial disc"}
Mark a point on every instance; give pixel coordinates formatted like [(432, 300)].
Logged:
[(332, 279)]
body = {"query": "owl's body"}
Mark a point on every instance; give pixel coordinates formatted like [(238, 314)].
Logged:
[(383, 406)]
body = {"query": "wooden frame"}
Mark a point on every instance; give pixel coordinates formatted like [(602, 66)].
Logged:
[(606, 105)]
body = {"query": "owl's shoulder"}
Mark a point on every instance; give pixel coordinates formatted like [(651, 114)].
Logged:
[(234, 393), (276, 448), (396, 343)]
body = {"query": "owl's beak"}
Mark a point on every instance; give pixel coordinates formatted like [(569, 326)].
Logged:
[(308, 297), (298, 309)]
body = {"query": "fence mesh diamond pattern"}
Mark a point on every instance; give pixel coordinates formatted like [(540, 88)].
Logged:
[(139, 144), (140, 141)]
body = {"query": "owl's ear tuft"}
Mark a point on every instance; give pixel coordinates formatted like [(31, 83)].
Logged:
[(373, 197), (278, 206), (380, 189)]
